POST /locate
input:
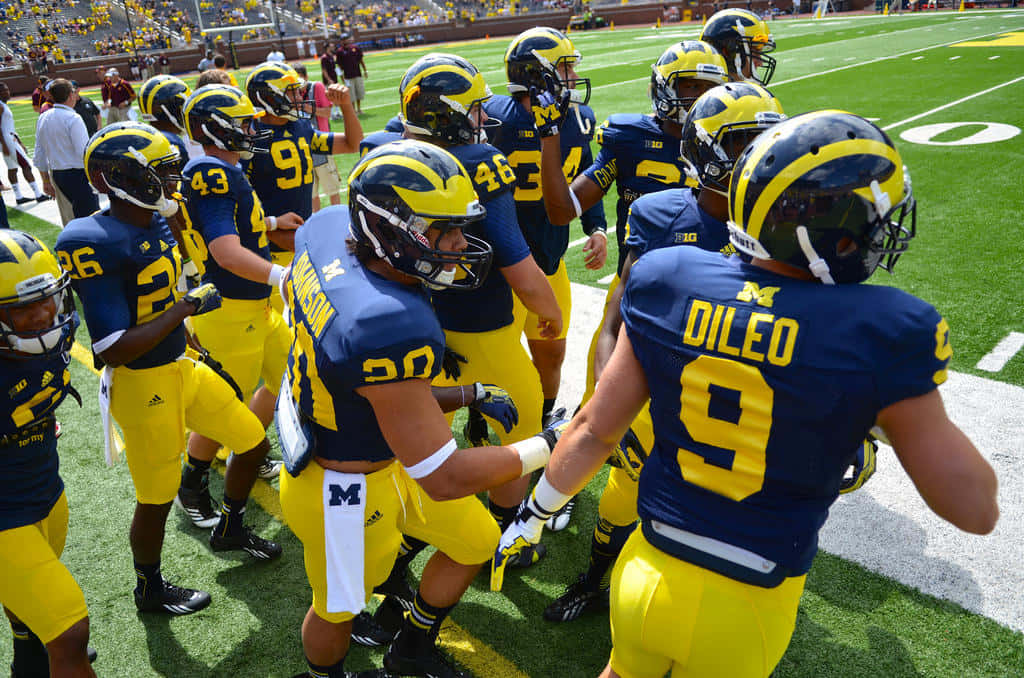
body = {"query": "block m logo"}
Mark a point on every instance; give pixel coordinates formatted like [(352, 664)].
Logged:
[(764, 296), (344, 495)]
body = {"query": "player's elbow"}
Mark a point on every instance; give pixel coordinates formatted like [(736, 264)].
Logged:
[(442, 485)]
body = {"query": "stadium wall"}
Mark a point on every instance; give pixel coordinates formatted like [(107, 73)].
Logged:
[(89, 72)]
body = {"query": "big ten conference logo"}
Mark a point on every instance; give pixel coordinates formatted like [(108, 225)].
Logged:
[(344, 496)]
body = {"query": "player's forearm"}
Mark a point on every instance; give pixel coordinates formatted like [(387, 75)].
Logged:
[(532, 287), (349, 141), (473, 470), (283, 239), (451, 398), (609, 331), (578, 456), (558, 202), (240, 261), (140, 339)]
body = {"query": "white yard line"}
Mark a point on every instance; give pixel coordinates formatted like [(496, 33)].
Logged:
[(952, 103), (996, 359)]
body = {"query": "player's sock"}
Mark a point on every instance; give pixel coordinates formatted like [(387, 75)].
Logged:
[(410, 548), (549, 404), (232, 513), (605, 547), (35, 188), (193, 471), (148, 578), (427, 619), (503, 514), (333, 671), (17, 190), (30, 657), (389, 614)]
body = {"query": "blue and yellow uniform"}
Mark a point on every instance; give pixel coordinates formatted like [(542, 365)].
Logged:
[(517, 138), (245, 334), (354, 328), (480, 324), (34, 585), (664, 219), (640, 158), (283, 176), (744, 368), (126, 276)]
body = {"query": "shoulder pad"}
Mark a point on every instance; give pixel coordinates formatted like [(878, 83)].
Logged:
[(377, 139)]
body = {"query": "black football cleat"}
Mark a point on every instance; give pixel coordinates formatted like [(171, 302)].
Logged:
[(368, 633), (415, 654), (553, 416), (580, 597), (44, 198), (246, 540), (198, 505), (171, 599)]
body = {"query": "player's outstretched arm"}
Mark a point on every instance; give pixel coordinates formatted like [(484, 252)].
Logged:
[(348, 142), (947, 469), (534, 290), (609, 333), (415, 429), (140, 339), (229, 253)]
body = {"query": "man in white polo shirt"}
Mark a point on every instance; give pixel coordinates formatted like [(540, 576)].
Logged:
[(61, 138)]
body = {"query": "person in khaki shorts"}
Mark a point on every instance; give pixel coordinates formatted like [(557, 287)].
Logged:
[(117, 96), (349, 59)]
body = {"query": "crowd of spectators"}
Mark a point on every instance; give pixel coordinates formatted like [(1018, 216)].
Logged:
[(42, 46)]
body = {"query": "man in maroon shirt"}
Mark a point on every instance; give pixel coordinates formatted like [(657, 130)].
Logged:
[(350, 60), (39, 94), (329, 75), (117, 96)]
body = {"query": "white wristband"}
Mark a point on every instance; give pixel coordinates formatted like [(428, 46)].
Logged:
[(575, 203), (533, 453), (276, 272), (427, 466), (271, 223), (547, 497), (479, 392)]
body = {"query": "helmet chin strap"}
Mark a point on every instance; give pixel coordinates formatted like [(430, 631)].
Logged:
[(816, 265), (173, 120)]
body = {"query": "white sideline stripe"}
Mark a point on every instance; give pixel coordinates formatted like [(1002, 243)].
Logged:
[(953, 103), (883, 58), (607, 280), (996, 359)]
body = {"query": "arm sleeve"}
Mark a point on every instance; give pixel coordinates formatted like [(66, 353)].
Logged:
[(603, 170), (593, 218), (40, 159), (215, 215), (322, 142), (502, 231), (79, 136)]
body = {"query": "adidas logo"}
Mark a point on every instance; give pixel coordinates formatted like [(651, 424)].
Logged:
[(377, 515), (155, 400), (250, 328)]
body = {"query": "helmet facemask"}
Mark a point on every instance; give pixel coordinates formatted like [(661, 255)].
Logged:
[(752, 50), (402, 241), (144, 182), (668, 103), (714, 156), (237, 136), (283, 102), (444, 118)]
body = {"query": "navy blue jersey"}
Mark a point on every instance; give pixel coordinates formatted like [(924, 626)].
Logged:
[(372, 141), (353, 328), (222, 202), (672, 217), (639, 158), (517, 138), (125, 276), (489, 307), (762, 388), (32, 390), (283, 175)]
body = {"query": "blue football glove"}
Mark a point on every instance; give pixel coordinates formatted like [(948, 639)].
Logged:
[(495, 402), (524, 532), (630, 455), (863, 467), (549, 110), (205, 298)]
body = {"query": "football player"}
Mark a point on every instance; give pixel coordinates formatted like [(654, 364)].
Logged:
[(45, 605), (124, 264), (281, 169), (227, 235), (756, 411), (442, 98), (539, 60), (640, 154), (161, 104), (717, 128), (371, 454), (745, 40)]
